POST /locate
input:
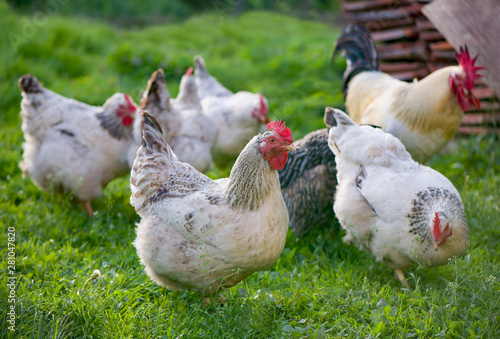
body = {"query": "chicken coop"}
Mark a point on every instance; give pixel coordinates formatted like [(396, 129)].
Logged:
[(411, 45)]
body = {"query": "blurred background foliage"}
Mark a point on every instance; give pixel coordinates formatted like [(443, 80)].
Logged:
[(141, 12), (248, 45)]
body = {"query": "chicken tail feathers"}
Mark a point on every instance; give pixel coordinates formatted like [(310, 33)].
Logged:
[(156, 93), (152, 134), (152, 158), (29, 84), (337, 122), (358, 48)]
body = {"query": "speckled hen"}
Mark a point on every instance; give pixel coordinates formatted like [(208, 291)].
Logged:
[(202, 234), (400, 211), (71, 146)]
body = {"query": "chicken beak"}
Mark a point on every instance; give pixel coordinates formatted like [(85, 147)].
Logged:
[(289, 148), (435, 246)]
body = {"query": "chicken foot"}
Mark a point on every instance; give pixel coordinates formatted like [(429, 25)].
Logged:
[(220, 300), (87, 207), (401, 277)]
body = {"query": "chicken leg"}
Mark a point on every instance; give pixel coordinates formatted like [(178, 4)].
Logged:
[(220, 300), (87, 207), (399, 274)]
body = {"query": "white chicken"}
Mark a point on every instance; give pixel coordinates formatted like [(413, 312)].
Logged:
[(197, 133), (187, 130), (239, 115), (202, 234), (400, 211), (72, 146), (156, 100), (207, 85)]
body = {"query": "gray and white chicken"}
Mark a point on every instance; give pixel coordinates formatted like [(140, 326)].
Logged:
[(205, 235), (400, 211), (72, 146)]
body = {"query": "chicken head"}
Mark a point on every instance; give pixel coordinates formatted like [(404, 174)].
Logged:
[(440, 228), (461, 84), (276, 145), (261, 113)]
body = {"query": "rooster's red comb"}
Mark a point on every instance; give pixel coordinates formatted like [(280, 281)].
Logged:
[(464, 60), (281, 129)]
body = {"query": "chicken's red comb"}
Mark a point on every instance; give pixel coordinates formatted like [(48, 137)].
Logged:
[(131, 106), (464, 60), (281, 129), (189, 71)]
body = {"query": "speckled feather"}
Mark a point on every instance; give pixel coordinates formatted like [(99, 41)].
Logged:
[(202, 234), (308, 183)]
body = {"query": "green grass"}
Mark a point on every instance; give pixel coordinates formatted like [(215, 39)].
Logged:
[(319, 288)]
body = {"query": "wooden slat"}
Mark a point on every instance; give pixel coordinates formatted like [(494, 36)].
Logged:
[(431, 35), (401, 66), (366, 5), (374, 26), (481, 118), (394, 34), (386, 15), (482, 92), (441, 46), (424, 24), (487, 105), (443, 55), (478, 130), (402, 50)]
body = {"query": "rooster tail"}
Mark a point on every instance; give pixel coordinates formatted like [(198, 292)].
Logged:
[(29, 84), (358, 48), (156, 93)]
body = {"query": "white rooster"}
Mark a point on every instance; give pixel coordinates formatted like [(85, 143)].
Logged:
[(400, 211), (73, 146), (239, 115), (202, 234)]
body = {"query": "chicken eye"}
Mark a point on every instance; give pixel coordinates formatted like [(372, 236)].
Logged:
[(272, 140)]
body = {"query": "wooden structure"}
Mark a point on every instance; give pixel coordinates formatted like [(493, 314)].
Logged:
[(410, 46)]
